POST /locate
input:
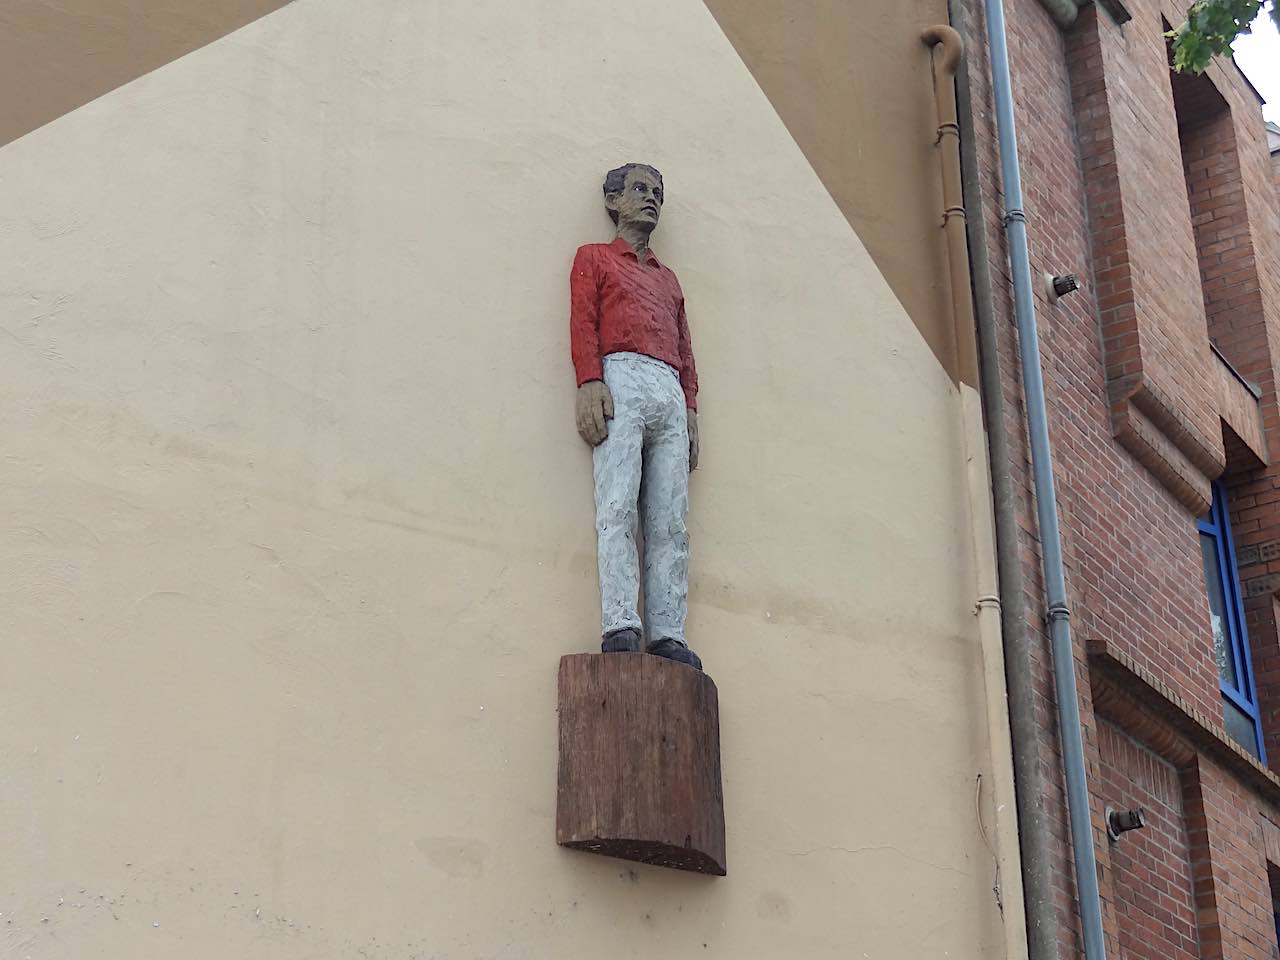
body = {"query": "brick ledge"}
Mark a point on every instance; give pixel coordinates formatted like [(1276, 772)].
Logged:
[(1128, 695), (1153, 447)]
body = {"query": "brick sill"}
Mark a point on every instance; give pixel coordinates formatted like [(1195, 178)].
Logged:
[(1248, 384), (1128, 695), (1240, 410)]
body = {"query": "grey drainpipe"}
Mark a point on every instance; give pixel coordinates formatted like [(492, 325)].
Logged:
[(1058, 613), (1033, 829)]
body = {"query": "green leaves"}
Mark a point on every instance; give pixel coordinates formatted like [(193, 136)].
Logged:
[(1210, 28)]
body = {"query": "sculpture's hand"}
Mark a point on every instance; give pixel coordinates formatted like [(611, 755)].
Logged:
[(594, 410), (693, 439)]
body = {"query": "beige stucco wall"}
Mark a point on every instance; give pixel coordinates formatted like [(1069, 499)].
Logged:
[(299, 523)]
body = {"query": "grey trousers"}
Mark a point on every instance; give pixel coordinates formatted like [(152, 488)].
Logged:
[(642, 480)]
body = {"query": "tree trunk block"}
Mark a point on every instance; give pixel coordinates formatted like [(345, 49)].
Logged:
[(640, 761)]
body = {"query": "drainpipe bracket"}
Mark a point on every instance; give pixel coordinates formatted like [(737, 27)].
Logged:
[(989, 602), (1057, 611)]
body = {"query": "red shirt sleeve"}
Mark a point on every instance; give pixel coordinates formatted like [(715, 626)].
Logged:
[(584, 317), (688, 372)]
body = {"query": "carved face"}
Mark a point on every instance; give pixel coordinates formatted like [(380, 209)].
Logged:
[(640, 201)]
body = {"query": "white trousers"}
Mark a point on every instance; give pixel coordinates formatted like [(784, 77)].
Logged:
[(642, 480)]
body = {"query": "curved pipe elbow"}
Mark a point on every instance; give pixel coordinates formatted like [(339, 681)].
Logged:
[(952, 45)]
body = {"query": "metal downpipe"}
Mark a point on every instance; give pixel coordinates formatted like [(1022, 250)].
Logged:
[(1058, 613), (1024, 728), (993, 628)]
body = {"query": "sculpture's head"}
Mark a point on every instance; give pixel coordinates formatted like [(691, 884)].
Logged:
[(633, 195)]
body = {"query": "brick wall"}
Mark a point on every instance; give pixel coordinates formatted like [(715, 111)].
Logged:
[(1154, 900), (1256, 496), (1233, 893), (1134, 568), (1133, 416), (1144, 256), (1055, 205), (1228, 267), (1235, 231), (1275, 172)]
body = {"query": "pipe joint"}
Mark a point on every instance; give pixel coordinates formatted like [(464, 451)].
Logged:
[(1056, 612), (989, 602), (949, 128), (1015, 216)]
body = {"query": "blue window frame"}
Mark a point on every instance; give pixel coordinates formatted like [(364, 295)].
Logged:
[(1230, 639)]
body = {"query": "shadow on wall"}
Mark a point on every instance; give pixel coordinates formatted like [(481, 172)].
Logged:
[(62, 55)]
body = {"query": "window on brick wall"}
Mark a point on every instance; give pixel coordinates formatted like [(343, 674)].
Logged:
[(1230, 640)]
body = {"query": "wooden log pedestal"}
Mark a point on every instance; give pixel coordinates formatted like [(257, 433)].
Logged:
[(640, 761)]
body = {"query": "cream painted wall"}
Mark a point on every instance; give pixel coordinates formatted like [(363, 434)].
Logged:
[(299, 522)]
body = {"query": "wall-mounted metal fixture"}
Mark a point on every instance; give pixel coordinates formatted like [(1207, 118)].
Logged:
[(1059, 285), (1122, 821), (1064, 12), (1065, 283)]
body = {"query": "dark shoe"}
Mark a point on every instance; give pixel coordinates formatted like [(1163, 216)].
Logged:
[(626, 640), (674, 650)]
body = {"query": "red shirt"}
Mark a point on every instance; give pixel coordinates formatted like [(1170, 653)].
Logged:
[(618, 304)]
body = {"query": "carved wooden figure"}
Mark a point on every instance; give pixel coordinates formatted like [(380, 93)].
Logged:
[(639, 734), (636, 405)]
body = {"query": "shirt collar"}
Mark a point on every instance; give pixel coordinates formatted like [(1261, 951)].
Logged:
[(621, 246)]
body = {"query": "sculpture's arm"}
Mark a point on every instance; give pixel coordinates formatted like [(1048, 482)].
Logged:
[(688, 371), (693, 439), (594, 405), (689, 383), (584, 317)]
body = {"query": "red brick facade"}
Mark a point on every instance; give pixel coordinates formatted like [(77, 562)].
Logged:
[(1273, 142), (1159, 193), (1155, 895)]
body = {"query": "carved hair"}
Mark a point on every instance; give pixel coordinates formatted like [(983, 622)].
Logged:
[(615, 180)]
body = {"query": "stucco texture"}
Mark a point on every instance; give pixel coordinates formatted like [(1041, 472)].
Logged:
[(299, 522)]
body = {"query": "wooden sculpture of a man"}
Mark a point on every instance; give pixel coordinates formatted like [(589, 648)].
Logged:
[(637, 397)]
